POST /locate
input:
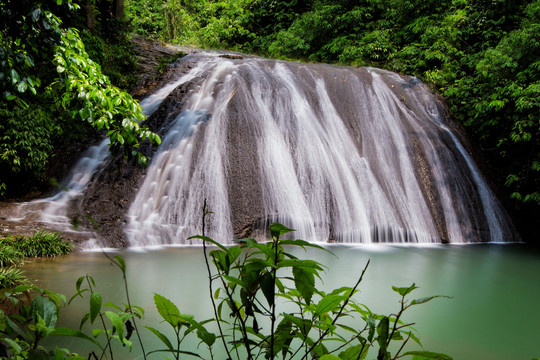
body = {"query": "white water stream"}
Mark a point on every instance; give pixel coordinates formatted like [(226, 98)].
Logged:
[(339, 154), (273, 137), (52, 210)]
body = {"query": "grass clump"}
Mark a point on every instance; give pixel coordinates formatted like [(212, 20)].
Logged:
[(9, 255), (14, 249), (44, 244), (12, 277)]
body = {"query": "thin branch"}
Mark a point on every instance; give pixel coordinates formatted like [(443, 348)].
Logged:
[(402, 346), (210, 278), (130, 309), (398, 316), (273, 306), (350, 341), (339, 313)]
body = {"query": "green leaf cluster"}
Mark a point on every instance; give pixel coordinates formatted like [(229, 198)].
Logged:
[(254, 281), (45, 63), (40, 244), (213, 24), (28, 320), (14, 249)]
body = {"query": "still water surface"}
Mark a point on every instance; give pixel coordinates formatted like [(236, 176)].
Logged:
[(494, 312)]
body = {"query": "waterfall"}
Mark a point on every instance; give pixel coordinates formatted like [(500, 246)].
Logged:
[(53, 209), (339, 154)]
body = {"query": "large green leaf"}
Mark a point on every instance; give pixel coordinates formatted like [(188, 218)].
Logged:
[(428, 298), (304, 281), (168, 311), (46, 309), (207, 337), (423, 355), (383, 332), (303, 244), (118, 258), (403, 291), (14, 345), (277, 229), (74, 333), (117, 323), (264, 248), (356, 352), (304, 325), (164, 339), (328, 303), (221, 260), (210, 240), (235, 280), (95, 305), (268, 288), (234, 252), (308, 264)]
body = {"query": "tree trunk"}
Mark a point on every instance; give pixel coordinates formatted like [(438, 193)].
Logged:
[(118, 9), (90, 15)]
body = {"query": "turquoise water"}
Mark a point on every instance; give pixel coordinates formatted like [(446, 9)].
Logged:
[(493, 313)]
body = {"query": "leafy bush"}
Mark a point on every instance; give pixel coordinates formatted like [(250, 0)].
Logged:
[(27, 321), (10, 278), (254, 279), (9, 255), (32, 38), (43, 244), (26, 142)]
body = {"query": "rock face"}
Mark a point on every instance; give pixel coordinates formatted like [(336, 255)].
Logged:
[(153, 58)]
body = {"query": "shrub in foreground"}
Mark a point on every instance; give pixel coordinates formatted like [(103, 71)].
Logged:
[(254, 280)]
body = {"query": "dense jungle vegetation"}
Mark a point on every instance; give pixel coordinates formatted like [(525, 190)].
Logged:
[(57, 80), (482, 56)]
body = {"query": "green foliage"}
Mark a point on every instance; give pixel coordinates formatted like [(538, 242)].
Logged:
[(40, 244), (11, 277), (203, 23), (43, 244), (28, 321), (9, 255), (26, 142), (32, 38), (108, 326), (14, 249), (255, 280)]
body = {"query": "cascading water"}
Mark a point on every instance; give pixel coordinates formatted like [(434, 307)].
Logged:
[(339, 154), (53, 210)]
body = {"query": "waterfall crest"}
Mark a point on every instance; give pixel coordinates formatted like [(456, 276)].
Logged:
[(337, 153)]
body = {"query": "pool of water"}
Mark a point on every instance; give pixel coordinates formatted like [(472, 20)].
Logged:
[(493, 313)]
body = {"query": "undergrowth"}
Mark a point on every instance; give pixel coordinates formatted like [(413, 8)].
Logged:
[(14, 249)]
